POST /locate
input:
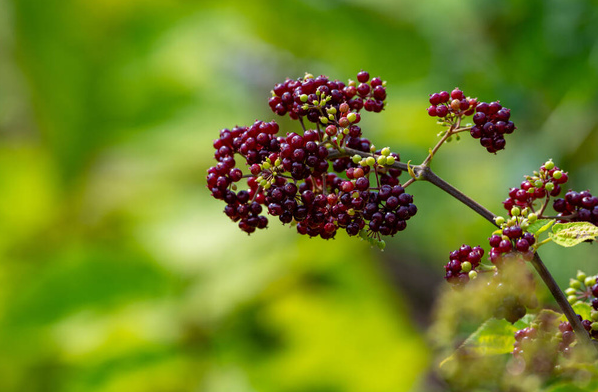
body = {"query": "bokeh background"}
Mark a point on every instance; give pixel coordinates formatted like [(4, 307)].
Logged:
[(118, 272)]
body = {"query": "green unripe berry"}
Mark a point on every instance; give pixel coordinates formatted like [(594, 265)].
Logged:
[(345, 131), (515, 211), (549, 165), (590, 281), (352, 116), (267, 185), (303, 98), (385, 151), (382, 160), (570, 291), (532, 218), (370, 161), (581, 276), (331, 110), (594, 326), (574, 283), (472, 275), (323, 120), (549, 186), (266, 165), (363, 162), (466, 266), (356, 159), (499, 220), (381, 244), (538, 183), (572, 299), (390, 160), (557, 174), (524, 225), (594, 315)]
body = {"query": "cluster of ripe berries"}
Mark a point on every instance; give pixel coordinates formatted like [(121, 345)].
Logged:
[(492, 121), (288, 176), (543, 184), (254, 144), (578, 207), (513, 242), (462, 264), (319, 99)]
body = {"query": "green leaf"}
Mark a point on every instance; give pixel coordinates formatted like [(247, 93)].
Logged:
[(583, 309), (573, 233), (493, 337), (540, 226)]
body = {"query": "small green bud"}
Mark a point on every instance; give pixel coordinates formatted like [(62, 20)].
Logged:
[(303, 98), (525, 211), (594, 315), (499, 220), (315, 102), (363, 162), (233, 187), (356, 158), (515, 211), (351, 211), (473, 275), (308, 76), (352, 116), (512, 221), (538, 183), (574, 283), (390, 160), (267, 185), (372, 149), (277, 162), (590, 281), (331, 110), (594, 326), (382, 160), (370, 161), (385, 151), (318, 92), (549, 186), (532, 217), (259, 179), (531, 190), (323, 120), (549, 165), (570, 291), (557, 174), (266, 165), (581, 276), (305, 107), (345, 131), (524, 225), (572, 299), (264, 182), (466, 266)]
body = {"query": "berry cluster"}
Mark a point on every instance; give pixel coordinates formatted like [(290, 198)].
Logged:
[(512, 239), (319, 99), (584, 288), (255, 144), (491, 119), (491, 124), (578, 207), (543, 184), (290, 174), (449, 107), (463, 263)]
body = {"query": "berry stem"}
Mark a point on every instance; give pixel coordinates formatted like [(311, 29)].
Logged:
[(448, 134)]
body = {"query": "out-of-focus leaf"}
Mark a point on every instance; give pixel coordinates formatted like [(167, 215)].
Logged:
[(494, 337)]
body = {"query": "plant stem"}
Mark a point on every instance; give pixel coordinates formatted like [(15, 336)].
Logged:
[(423, 172)]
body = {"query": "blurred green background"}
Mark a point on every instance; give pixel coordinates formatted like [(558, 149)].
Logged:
[(119, 272)]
